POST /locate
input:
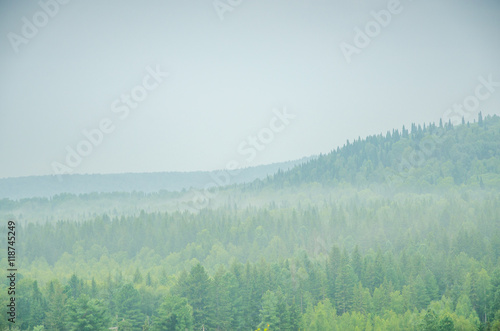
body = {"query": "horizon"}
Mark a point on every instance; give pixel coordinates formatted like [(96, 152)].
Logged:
[(124, 87), (303, 158), (298, 160)]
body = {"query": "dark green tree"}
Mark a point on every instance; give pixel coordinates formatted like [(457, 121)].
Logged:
[(269, 317), (430, 322), (38, 306), (86, 314), (344, 286), (129, 306), (220, 292), (55, 318), (196, 288), (446, 324), (174, 314), (137, 276)]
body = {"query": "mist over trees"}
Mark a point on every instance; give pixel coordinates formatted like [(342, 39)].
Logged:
[(393, 232)]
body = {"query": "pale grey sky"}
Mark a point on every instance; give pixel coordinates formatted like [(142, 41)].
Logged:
[(228, 78)]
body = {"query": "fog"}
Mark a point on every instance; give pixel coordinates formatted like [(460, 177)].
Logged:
[(128, 86)]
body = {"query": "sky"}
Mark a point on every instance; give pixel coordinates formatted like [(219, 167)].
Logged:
[(146, 86)]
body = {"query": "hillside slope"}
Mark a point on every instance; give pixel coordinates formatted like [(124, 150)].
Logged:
[(421, 157), (48, 186)]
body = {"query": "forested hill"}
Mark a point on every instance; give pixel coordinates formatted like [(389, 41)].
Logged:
[(420, 156), (420, 159), (258, 256), (48, 186)]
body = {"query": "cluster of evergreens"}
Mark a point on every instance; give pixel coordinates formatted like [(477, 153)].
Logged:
[(421, 157), (399, 263), (350, 254)]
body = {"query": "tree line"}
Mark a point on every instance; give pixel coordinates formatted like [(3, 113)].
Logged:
[(417, 261)]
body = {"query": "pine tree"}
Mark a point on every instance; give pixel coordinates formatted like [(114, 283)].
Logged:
[(137, 276), (379, 269), (430, 322), (357, 262), (55, 318), (220, 291), (332, 270), (322, 317), (126, 325), (294, 317), (269, 312), (446, 323), (361, 299), (344, 286), (86, 315), (420, 297), (431, 285), (93, 289), (196, 288), (129, 306), (110, 296), (73, 289), (174, 314), (38, 306)]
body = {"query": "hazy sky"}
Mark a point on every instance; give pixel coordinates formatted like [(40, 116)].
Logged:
[(71, 67)]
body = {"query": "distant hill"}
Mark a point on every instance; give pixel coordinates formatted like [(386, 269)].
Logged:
[(48, 186), (422, 159), (418, 157)]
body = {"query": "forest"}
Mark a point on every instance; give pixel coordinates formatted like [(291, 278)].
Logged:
[(392, 232)]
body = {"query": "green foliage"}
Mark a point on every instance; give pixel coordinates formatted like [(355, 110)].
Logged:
[(446, 324), (360, 251), (174, 314), (421, 247), (196, 288), (345, 282), (418, 158), (86, 314), (129, 306), (269, 312), (319, 317), (55, 318)]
